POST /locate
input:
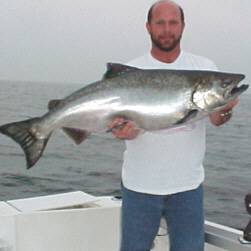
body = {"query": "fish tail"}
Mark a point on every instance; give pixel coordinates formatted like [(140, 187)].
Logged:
[(27, 136)]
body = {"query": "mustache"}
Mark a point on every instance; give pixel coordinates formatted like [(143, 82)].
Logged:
[(163, 36)]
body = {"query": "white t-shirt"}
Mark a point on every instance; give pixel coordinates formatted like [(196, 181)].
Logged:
[(167, 161)]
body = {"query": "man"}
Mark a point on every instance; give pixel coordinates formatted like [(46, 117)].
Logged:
[(162, 172)]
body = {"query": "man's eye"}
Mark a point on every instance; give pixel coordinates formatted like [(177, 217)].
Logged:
[(173, 22), (160, 22)]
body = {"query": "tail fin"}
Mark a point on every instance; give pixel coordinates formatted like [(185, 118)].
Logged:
[(23, 133)]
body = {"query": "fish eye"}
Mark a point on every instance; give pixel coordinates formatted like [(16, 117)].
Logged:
[(225, 83)]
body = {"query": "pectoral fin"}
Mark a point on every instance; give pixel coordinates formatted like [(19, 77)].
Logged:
[(190, 115)]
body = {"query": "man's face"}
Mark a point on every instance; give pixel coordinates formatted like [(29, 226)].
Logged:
[(166, 27)]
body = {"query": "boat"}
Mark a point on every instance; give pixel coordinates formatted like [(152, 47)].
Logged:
[(78, 221)]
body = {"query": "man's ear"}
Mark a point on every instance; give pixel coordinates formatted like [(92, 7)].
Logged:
[(183, 28), (148, 28)]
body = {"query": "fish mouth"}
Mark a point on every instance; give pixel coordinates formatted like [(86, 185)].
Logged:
[(237, 90)]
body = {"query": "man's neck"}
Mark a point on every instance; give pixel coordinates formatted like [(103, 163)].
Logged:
[(166, 56)]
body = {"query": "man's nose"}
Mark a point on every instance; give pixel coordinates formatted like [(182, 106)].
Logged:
[(166, 27)]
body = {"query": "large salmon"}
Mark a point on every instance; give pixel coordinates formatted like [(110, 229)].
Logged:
[(153, 99)]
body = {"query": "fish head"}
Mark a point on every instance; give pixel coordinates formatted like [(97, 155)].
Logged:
[(215, 89)]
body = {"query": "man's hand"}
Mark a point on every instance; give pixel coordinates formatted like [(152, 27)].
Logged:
[(123, 129), (220, 117)]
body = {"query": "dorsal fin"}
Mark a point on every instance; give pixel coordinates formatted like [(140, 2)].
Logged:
[(115, 69)]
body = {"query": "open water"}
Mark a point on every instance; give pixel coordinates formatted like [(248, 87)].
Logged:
[(95, 165)]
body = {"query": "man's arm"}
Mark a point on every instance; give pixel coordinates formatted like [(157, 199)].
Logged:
[(124, 129), (220, 117)]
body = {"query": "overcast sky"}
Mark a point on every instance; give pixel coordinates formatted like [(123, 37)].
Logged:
[(71, 41)]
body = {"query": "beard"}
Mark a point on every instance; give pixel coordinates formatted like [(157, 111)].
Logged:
[(167, 47)]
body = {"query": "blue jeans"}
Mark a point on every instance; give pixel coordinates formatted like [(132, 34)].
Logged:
[(183, 212)]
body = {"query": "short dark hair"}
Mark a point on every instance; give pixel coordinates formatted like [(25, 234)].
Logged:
[(149, 15)]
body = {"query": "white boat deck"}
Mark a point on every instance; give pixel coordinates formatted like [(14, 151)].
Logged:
[(78, 221)]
